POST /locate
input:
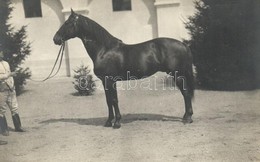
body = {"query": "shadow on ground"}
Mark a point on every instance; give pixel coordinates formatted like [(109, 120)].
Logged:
[(128, 118)]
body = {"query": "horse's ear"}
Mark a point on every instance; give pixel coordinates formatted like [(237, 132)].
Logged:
[(72, 12)]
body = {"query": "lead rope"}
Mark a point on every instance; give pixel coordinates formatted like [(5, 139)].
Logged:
[(61, 52)]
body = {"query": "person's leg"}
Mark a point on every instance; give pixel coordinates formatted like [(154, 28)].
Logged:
[(3, 106), (13, 105), (3, 126)]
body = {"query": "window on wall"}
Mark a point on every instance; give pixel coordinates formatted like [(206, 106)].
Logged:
[(32, 8), (121, 5)]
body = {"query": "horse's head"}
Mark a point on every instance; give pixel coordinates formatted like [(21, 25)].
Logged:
[(68, 30)]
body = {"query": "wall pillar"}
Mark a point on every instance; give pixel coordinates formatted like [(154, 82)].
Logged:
[(168, 18)]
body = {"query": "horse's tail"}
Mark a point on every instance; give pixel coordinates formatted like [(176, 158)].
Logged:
[(189, 75)]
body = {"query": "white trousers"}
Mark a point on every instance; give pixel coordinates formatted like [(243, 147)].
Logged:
[(8, 99)]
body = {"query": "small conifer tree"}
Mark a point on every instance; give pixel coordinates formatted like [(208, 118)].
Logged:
[(84, 83)]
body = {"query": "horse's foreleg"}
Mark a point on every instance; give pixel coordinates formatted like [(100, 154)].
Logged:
[(116, 107), (110, 106), (112, 101)]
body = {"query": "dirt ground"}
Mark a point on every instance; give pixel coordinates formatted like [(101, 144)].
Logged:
[(64, 127)]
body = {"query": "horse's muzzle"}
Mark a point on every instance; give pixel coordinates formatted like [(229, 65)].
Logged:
[(57, 39)]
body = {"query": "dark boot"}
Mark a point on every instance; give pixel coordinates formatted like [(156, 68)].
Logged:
[(3, 126), (17, 123), (3, 142)]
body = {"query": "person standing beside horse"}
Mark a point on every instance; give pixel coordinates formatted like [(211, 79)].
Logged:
[(8, 97)]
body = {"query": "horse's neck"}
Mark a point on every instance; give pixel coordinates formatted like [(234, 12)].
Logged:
[(95, 38), (92, 48), (90, 30)]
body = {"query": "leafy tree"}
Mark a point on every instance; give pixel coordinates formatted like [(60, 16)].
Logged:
[(14, 45), (225, 41)]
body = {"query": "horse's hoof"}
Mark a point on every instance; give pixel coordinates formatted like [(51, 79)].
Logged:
[(187, 120), (108, 124), (116, 125)]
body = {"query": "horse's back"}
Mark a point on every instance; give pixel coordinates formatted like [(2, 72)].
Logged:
[(160, 54), (168, 47)]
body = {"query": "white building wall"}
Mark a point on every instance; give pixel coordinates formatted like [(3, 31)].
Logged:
[(145, 21), (40, 32), (171, 17)]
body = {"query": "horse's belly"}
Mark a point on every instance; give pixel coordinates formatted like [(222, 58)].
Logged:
[(136, 74)]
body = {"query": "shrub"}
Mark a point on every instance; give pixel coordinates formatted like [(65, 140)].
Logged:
[(84, 83), (20, 79)]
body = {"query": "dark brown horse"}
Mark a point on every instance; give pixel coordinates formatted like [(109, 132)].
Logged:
[(113, 59)]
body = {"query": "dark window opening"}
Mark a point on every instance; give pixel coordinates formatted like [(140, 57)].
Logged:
[(121, 5), (32, 8)]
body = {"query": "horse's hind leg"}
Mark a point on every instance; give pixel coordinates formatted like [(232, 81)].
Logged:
[(184, 84)]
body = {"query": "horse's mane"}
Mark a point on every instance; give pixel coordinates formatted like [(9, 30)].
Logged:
[(99, 33)]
